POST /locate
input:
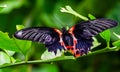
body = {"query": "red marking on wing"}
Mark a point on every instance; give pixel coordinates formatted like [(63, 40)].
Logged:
[(58, 31), (77, 55), (69, 46), (75, 51), (70, 49), (71, 30), (60, 36)]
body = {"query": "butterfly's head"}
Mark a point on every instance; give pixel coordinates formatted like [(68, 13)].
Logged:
[(64, 30)]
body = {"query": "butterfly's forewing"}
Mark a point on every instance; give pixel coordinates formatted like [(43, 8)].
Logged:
[(47, 36), (84, 32), (90, 28)]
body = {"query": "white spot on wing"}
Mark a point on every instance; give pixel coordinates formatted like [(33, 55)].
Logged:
[(19, 33)]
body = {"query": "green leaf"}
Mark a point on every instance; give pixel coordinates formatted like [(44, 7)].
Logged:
[(23, 45), (4, 58), (14, 44), (95, 43), (116, 43), (19, 27), (7, 43), (10, 53), (105, 35), (50, 55), (91, 16)]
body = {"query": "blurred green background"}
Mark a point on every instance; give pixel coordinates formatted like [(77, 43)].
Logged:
[(47, 13)]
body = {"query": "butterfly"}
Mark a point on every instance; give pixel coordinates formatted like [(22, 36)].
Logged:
[(77, 40)]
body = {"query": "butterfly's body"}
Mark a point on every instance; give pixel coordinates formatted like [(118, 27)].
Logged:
[(77, 40), (68, 41)]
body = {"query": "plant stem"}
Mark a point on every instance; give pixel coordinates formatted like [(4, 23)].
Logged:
[(39, 61), (68, 9), (108, 44)]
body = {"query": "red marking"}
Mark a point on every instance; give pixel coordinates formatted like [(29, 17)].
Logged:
[(77, 55), (60, 36), (71, 30), (70, 49), (62, 43), (75, 42), (69, 46), (58, 31)]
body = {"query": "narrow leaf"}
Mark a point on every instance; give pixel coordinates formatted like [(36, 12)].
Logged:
[(91, 16)]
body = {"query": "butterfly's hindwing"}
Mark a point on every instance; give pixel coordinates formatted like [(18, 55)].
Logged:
[(84, 45)]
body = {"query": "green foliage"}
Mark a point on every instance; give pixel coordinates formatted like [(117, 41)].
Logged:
[(50, 55), (48, 68), (22, 45), (13, 44), (10, 5), (15, 54), (106, 35), (117, 43), (91, 16), (2, 7), (4, 58), (7, 43), (68, 9)]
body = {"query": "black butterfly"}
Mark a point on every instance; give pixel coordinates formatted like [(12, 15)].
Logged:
[(77, 40)]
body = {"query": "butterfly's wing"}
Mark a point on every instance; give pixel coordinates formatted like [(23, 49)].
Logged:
[(84, 32), (47, 36), (90, 28)]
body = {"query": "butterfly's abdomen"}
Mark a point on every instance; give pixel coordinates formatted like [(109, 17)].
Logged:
[(68, 42)]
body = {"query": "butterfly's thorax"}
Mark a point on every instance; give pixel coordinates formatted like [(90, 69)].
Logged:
[(67, 39)]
